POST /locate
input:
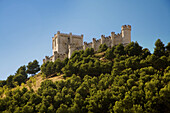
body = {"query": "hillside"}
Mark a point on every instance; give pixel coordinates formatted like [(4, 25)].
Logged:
[(117, 80), (38, 80)]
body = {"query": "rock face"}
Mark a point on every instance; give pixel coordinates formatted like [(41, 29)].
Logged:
[(64, 45)]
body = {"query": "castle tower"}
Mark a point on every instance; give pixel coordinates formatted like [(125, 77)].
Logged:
[(94, 44), (85, 46), (126, 34), (102, 39), (56, 42), (112, 39)]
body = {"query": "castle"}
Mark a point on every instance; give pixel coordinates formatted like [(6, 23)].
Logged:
[(64, 45)]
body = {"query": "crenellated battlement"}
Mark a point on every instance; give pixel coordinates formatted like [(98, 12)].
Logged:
[(112, 33), (126, 27), (106, 38), (64, 44), (118, 35), (58, 34), (85, 43)]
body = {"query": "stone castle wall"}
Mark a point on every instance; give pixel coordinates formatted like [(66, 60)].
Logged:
[(64, 45), (96, 44), (106, 40)]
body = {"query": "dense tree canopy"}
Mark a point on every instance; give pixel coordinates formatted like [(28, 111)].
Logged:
[(125, 80)]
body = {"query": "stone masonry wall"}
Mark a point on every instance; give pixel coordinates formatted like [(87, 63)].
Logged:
[(64, 45), (106, 40)]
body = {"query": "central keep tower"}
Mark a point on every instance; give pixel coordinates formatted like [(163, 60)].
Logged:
[(62, 43)]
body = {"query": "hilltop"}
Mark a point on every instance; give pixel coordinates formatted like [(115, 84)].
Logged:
[(120, 79)]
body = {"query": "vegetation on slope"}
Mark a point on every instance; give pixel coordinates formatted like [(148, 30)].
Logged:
[(127, 79), (21, 75)]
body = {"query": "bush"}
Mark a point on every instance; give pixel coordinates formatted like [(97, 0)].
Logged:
[(102, 47)]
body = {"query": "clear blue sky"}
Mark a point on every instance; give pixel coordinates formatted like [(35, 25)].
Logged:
[(27, 26)]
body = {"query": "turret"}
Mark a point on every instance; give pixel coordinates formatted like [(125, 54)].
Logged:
[(94, 44), (85, 46), (112, 39), (57, 42), (102, 39), (58, 32), (126, 34), (82, 38)]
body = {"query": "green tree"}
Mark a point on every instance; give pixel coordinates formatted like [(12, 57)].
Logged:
[(48, 68), (133, 62), (161, 63), (74, 54), (19, 79), (28, 109), (118, 67), (119, 50), (9, 81), (69, 69), (133, 48), (165, 99), (109, 54), (51, 109), (2, 83), (22, 70), (159, 49), (33, 67), (58, 65), (102, 47), (167, 49), (145, 53), (65, 61), (62, 109), (88, 51)]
